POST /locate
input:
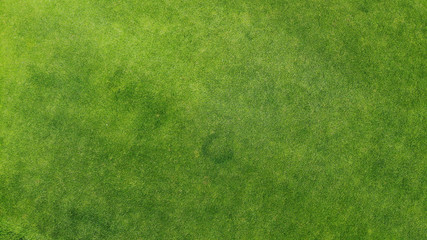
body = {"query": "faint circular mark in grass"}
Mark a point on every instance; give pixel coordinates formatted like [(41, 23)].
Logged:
[(218, 147)]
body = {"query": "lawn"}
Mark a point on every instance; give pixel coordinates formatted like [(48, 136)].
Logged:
[(175, 119)]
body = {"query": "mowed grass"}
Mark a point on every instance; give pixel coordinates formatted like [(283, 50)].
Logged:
[(175, 119)]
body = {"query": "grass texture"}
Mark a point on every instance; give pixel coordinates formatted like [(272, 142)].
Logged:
[(175, 119)]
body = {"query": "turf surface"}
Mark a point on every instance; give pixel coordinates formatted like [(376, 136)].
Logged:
[(173, 119)]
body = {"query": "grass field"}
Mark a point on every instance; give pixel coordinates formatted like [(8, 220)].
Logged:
[(174, 119)]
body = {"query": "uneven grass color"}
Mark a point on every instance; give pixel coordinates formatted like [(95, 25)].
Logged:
[(175, 119)]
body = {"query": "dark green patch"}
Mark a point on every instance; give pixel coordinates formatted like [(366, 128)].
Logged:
[(218, 147)]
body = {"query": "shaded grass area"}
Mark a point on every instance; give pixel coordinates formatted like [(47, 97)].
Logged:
[(213, 120)]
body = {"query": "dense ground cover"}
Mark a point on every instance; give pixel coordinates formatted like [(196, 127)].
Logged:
[(176, 119)]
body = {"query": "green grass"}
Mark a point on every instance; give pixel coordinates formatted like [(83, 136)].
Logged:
[(173, 119)]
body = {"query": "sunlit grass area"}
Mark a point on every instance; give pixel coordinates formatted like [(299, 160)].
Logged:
[(175, 119)]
